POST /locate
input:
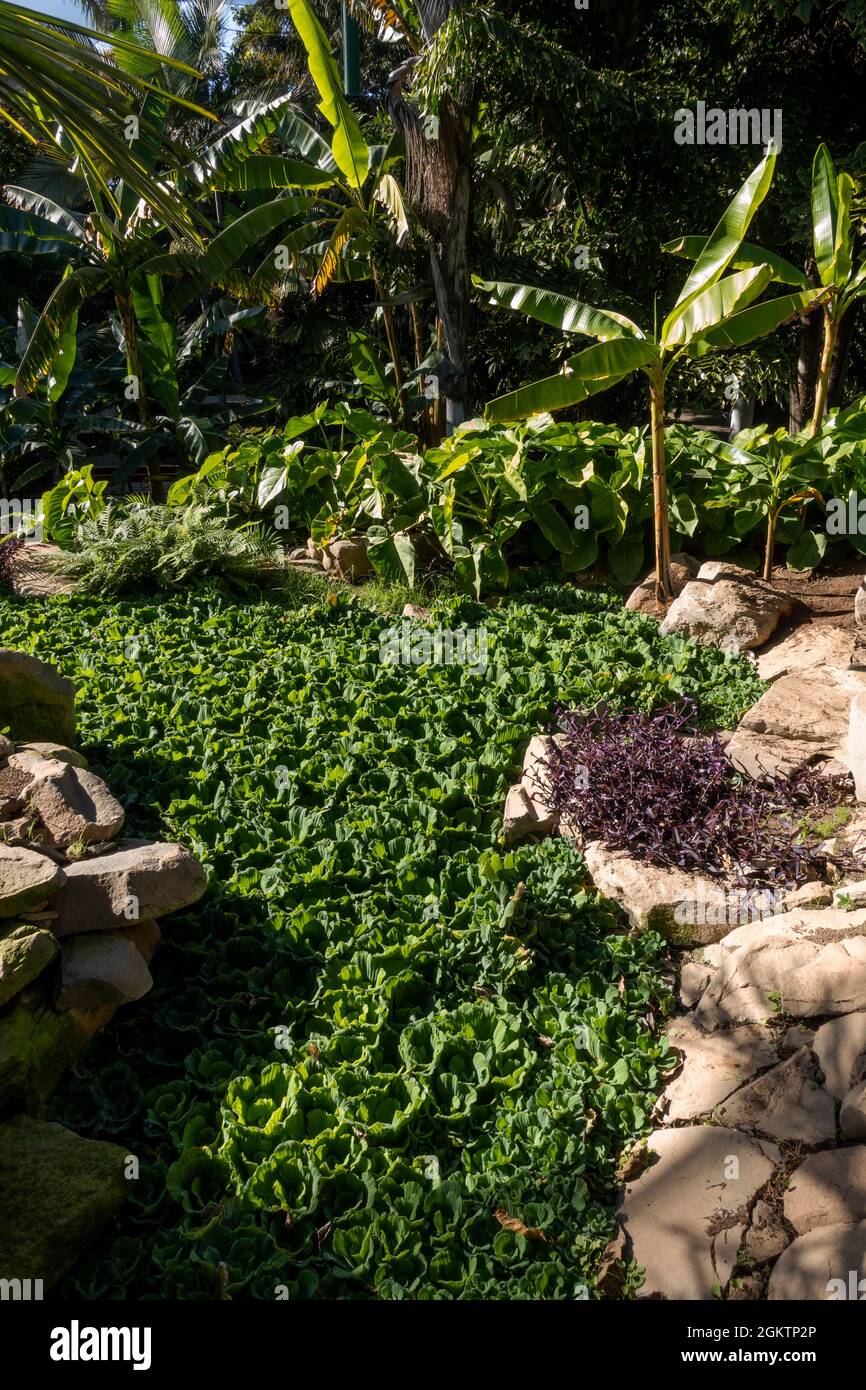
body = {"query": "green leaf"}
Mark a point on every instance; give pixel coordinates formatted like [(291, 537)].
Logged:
[(350, 149), (62, 304), (558, 310), (159, 345), (626, 558), (591, 371), (758, 320), (690, 248), (825, 213), (808, 552), (714, 304)]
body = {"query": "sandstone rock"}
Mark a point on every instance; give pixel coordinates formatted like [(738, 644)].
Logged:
[(714, 1065), (136, 880), (827, 1264), (54, 750), (36, 702), (807, 895), (826, 1189), (856, 750), (764, 757), (685, 1216), (860, 605), (797, 1037), (47, 1224), (808, 646), (6, 747), (785, 1103), (37, 572), (349, 558), (727, 607), (26, 879), (535, 776), (643, 598), (683, 907), (850, 895), (25, 951), (806, 964), (71, 803), (524, 815), (766, 1237), (694, 978), (840, 1047), (100, 968), (810, 708), (852, 1116)]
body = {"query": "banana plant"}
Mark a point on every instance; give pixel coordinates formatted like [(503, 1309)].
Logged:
[(838, 258), (714, 310)]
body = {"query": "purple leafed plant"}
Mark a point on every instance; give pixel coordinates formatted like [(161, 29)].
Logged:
[(652, 785)]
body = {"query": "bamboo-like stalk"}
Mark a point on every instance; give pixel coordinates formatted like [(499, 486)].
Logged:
[(661, 524), (831, 331)]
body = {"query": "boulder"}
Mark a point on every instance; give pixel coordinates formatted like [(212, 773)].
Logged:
[(787, 1103), (686, 1214), (36, 702), (852, 1116), (827, 1264), (808, 646), (25, 951), (807, 895), (525, 815), (54, 750), (828, 1188), (694, 978), (764, 757), (727, 607), (134, 881), (100, 968), (349, 559), (48, 1223), (766, 1237), (72, 804), (856, 749), (27, 879), (807, 964), (714, 1065), (643, 598), (840, 1047), (688, 909), (860, 604), (808, 708)]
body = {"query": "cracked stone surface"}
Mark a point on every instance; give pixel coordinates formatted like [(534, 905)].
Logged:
[(686, 1214), (827, 1189), (714, 1065), (786, 1103), (840, 1047), (827, 1265)]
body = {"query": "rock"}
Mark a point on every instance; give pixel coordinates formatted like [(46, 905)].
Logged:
[(852, 1116), (694, 978), (643, 598), (26, 879), (856, 750), (826, 1189), (524, 815), (37, 572), (54, 750), (685, 1216), (808, 646), (807, 895), (860, 604), (37, 1044), (746, 1288), (785, 1103), (535, 776), (413, 610), (858, 653), (349, 558), (714, 1065), (764, 757), (810, 709), (6, 747), (25, 951), (766, 1237), (48, 1223), (314, 551), (797, 1037), (727, 607), (840, 1047), (827, 1264), (71, 803), (683, 907), (806, 964), (135, 881), (100, 968), (36, 702), (850, 896)]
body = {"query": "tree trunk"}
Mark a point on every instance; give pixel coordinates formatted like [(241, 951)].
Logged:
[(839, 369), (664, 583), (803, 389), (770, 547), (134, 370), (831, 328)]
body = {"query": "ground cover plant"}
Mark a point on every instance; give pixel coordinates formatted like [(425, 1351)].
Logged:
[(693, 811), (386, 1057)]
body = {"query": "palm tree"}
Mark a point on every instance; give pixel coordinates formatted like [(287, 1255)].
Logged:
[(58, 87)]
